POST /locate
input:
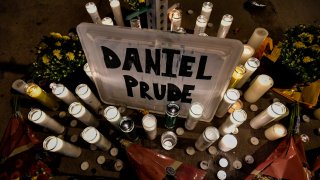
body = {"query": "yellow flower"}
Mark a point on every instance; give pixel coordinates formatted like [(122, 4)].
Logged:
[(66, 37), (55, 35), (70, 56), (307, 59), (306, 35), (58, 43), (299, 45), (43, 45), (315, 47), (56, 53), (45, 59)]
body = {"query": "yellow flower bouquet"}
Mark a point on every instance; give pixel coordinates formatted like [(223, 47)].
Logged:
[(57, 57)]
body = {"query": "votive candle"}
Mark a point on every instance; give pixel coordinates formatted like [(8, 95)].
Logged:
[(55, 144), (229, 98), (251, 66), (194, 115), (93, 136), (233, 121), (116, 10), (78, 111), (149, 124), (225, 25), (275, 132), (207, 138), (19, 85), (236, 76), (85, 93), (176, 21), (206, 10), (63, 93), (87, 70), (201, 24), (107, 21), (93, 12), (271, 113), (112, 114), (257, 38), (247, 53), (258, 88), (227, 143)]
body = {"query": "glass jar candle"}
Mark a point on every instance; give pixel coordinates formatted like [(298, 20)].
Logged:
[(78, 111), (206, 10), (234, 120), (172, 111), (201, 25), (93, 136), (55, 144), (230, 97), (107, 21), (93, 12), (225, 24), (126, 125), (168, 140), (275, 132), (236, 76), (247, 53), (149, 123), (176, 20), (251, 66), (112, 115), (116, 10), (227, 143), (194, 115), (257, 38), (63, 93), (208, 137), (87, 70), (85, 93), (258, 88)]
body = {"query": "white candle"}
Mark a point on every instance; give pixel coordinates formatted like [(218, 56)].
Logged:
[(93, 12), (223, 162), (251, 66), (175, 21), (247, 53), (316, 113), (149, 123), (271, 113), (225, 25), (201, 24), (227, 143), (63, 93), (54, 144), (208, 137), (115, 6), (85, 93), (78, 111), (258, 87), (257, 38), (39, 117), (206, 10), (19, 85), (233, 121), (93, 136), (229, 98), (107, 21), (275, 132), (194, 115), (112, 114), (87, 70)]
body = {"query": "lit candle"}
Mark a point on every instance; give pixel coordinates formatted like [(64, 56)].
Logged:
[(257, 38), (206, 10), (233, 121), (227, 143), (247, 53), (258, 88), (85, 93), (229, 98), (78, 111), (107, 21), (93, 136), (225, 25), (251, 65), (54, 144), (208, 137), (149, 123), (237, 105), (115, 6), (63, 93), (87, 70), (39, 117), (271, 113), (175, 21), (19, 85), (275, 132), (112, 114), (194, 115), (201, 24), (236, 76), (93, 12), (40, 95)]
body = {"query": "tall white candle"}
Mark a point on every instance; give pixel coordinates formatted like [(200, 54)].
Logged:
[(112, 114), (229, 98), (39, 117), (55, 144), (271, 113), (275, 132), (201, 24), (258, 88), (87, 70), (107, 21), (208, 137), (257, 38), (247, 53), (234, 120), (251, 65), (227, 143), (93, 12), (225, 25), (206, 10), (175, 21), (194, 115), (93, 136), (85, 93), (149, 123), (63, 93), (78, 111), (19, 85), (116, 9)]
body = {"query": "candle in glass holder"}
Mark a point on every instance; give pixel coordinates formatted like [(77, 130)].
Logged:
[(135, 22), (55, 144), (271, 113), (206, 10), (275, 132), (93, 136), (116, 10), (40, 95), (247, 53), (258, 88), (87, 70), (201, 24), (251, 65), (208, 137), (229, 98), (63, 93), (168, 140), (236, 76), (39, 117), (19, 85), (126, 125), (175, 20), (233, 121), (257, 38), (112, 114), (93, 12), (149, 123), (225, 25), (78, 111), (107, 21), (195, 113), (227, 142), (85, 93), (237, 105)]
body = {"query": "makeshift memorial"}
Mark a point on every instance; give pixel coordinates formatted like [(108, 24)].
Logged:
[(63, 93), (247, 53), (93, 12), (236, 76), (78, 111), (195, 113), (172, 112), (93, 136), (251, 66), (260, 85), (149, 124), (206, 10), (201, 24), (234, 120), (207, 138), (55, 144), (229, 98), (257, 38), (225, 24), (85, 93)]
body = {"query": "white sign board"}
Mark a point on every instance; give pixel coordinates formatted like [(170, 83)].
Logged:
[(146, 69)]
